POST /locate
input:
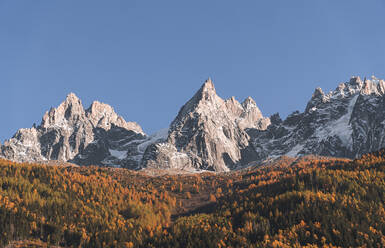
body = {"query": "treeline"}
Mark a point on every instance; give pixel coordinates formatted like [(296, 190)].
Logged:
[(312, 202)]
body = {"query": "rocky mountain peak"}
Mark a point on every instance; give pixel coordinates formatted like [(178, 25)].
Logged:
[(381, 86), (252, 117), (99, 108), (210, 132), (72, 105), (207, 92), (234, 107), (317, 98), (70, 110), (102, 115), (72, 98), (318, 93), (369, 87), (204, 102), (346, 122), (66, 131), (373, 86), (208, 86), (249, 103), (356, 81)]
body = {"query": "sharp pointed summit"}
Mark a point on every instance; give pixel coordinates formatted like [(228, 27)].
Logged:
[(73, 102), (209, 133), (317, 98), (70, 110), (249, 103), (208, 85), (72, 97), (355, 81), (207, 91)]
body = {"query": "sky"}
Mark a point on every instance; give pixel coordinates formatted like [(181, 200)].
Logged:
[(147, 58)]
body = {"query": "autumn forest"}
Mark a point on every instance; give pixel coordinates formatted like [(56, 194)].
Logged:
[(306, 202)]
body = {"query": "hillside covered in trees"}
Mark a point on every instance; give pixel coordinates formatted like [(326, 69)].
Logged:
[(311, 202)]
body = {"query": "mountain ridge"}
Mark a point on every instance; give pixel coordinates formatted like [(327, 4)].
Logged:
[(209, 133)]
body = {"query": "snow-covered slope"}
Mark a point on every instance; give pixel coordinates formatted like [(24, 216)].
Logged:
[(119, 147), (341, 123)]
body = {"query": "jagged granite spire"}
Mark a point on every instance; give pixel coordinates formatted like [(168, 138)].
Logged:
[(70, 111), (209, 132), (317, 98), (205, 95), (65, 132), (355, 82), (102, 115)]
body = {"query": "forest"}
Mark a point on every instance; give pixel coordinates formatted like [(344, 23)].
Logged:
[(305, 202)]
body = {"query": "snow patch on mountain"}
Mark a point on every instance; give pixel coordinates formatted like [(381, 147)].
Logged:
[(158, 136), (294, 152), (118, 154), (340, 127)]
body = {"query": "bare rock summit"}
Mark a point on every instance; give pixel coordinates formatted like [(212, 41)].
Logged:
[(64, 132), (209, 133)]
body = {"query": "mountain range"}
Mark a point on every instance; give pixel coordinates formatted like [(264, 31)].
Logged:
[(209, 133)]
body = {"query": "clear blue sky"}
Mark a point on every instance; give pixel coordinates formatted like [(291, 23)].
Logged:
[(147, 58)]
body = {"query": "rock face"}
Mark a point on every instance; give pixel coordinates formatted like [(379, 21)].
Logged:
[(208, 133), (68, 131), (346, 122)]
